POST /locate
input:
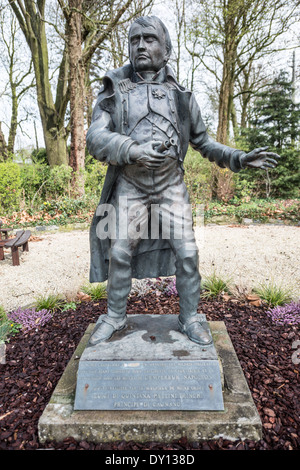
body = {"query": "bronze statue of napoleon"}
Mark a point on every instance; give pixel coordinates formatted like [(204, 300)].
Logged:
[(142, 125)]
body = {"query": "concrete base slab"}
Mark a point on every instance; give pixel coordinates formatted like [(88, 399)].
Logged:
[(238, 421)]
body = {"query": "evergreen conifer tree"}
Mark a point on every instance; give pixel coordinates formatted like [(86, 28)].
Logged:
[(276, 122)]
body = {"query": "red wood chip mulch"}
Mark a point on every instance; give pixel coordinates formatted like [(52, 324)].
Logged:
[(36, 360)]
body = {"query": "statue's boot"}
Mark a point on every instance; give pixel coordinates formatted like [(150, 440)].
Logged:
[(195, 331), (107, 327), (188, 287)]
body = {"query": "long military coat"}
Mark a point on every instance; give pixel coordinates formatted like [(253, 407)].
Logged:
[(107, 140)]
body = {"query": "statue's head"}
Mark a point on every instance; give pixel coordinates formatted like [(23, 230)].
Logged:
[(149, 44)]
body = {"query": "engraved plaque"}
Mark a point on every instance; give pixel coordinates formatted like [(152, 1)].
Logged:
[(149, 385)]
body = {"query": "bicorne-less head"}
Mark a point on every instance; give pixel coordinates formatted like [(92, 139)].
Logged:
[(149, 44)]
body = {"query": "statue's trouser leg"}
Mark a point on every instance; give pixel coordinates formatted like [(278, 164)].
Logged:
[(187, 281), (127, 199), (118, 288), (187, 273), (177, 210), (119, 280)]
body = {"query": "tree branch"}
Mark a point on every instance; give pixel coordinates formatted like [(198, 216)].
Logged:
[(89, 51)]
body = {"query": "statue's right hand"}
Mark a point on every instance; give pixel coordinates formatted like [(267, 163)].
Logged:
[(147, 155)]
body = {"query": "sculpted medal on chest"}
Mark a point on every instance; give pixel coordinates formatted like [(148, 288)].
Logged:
[(159, 94)]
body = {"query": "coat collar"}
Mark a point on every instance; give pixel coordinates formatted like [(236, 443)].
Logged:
[(127, 72)]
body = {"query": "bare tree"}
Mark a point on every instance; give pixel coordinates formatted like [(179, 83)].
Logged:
[(234, 34), (231, 36), (31, 16), (19, 73), (88, 25)]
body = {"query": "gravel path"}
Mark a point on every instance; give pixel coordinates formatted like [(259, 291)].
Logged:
[(59, 262)]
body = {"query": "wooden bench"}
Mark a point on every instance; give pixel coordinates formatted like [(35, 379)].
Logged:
[(4, 231), (20, 240)]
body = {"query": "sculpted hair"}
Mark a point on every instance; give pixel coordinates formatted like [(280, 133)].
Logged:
[(146, 21)]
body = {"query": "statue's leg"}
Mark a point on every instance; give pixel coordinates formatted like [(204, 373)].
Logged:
[(118, 288), (120, 269), (119, 279), (187, 279), (188, 288), (183, 243)]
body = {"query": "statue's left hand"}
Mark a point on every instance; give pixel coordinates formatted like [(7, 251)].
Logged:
[(260, 158)]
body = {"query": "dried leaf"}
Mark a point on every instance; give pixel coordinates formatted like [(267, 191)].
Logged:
[(252, 297), (256, 303), (83, 297), (226, 297)]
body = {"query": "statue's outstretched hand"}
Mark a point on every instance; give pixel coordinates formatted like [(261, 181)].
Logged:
[(147, 155), (260, 158)]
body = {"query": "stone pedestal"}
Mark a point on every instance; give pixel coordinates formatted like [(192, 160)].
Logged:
[(149, 365), (238, 420)]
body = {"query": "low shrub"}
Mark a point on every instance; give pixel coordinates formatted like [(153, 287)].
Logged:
[(40, 181), (257, 209), (65, 206), (59, 181), (214, 285), (94, 178), (10, 186), (287, 314), (171, 289), (30, 318), (197, 177), (49, 303), (272, 294), (96, 291), (33, 181)]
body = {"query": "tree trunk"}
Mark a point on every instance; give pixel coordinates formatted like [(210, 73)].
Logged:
[(89, 98), (3, 147), (226, 95), (56, 146), (52, 122), (77, 95), (13, 120), (234, 122), (222, 186), (223, 115)]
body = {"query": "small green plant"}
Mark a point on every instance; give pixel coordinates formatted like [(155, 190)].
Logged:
[(213, 286), (51, 302), (272, 294), (97, 291), (5, 329), (2, 314), (7, 326), (69, 306)]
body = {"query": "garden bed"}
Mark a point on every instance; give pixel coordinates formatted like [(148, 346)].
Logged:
[(266, 350), (65, 211)]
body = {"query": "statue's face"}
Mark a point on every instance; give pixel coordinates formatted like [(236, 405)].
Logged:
[(147, 48)]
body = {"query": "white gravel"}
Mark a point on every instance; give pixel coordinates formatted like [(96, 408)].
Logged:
[(249, 255)]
